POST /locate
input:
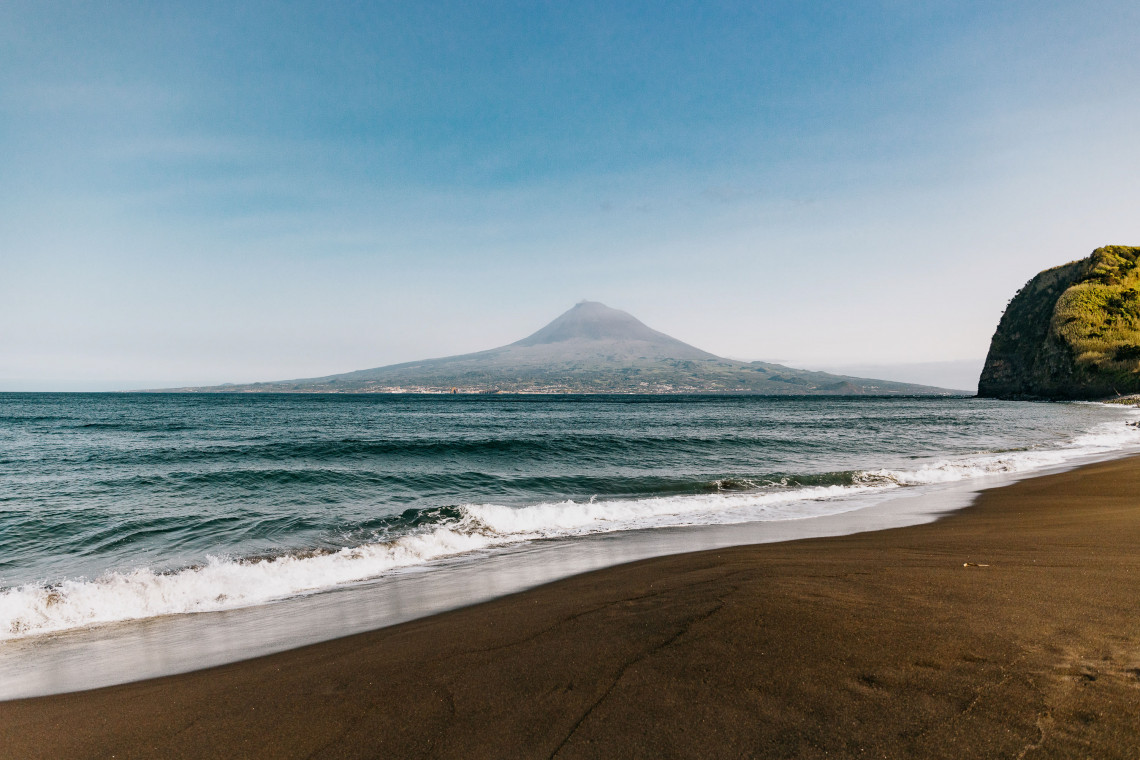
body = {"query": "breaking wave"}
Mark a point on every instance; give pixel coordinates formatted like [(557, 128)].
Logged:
[(418, 537)]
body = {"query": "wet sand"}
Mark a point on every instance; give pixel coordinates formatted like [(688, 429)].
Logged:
[(1008, 629)]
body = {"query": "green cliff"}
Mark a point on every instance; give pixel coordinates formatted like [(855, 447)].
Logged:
[(1073, 332)]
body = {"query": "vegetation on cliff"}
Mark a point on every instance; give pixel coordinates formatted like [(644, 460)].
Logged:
[(1072, 332)]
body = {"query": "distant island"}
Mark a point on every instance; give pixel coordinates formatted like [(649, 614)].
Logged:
[(589, 349), (1073, 332)]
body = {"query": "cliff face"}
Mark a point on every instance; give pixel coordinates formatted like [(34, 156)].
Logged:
[(1073, 332)]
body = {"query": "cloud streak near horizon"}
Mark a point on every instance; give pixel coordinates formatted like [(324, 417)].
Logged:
[(217, 192)]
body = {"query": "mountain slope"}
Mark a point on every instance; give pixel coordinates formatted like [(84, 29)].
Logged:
[(589, 349), (1073, 332)]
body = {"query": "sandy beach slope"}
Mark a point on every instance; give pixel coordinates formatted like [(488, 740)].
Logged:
[(1009, 629)]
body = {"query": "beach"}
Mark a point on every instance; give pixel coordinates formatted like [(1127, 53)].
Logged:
[(1007, 629), (578, 380)]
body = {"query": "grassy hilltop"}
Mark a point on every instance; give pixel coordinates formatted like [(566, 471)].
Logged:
[(1073, 332)]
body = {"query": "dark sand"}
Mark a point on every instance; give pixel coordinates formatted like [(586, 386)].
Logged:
[(874, 645)]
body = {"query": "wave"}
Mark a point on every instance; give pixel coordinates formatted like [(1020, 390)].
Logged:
[(232, 480), (418, 537), (225, 583), (514, 449), (1103, 438)]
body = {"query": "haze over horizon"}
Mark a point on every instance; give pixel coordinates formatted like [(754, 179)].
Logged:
[(208, 193)]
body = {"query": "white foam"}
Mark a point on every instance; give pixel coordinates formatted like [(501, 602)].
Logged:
[(226, 583), (219, 584), (1104, 438)]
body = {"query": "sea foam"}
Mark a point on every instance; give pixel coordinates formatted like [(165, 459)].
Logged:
[(228, 582)]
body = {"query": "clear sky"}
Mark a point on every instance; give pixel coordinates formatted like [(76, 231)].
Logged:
[(210, 192)]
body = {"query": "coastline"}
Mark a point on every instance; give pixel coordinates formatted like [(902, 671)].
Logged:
[(134, 650), (884, 642), (127, 626)]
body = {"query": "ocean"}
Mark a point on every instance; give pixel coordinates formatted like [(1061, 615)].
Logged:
[(117, 507)]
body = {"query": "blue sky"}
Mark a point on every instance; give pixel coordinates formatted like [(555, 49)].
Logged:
[(243, 191)]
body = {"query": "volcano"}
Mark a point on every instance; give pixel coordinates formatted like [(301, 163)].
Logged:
[(591, 348)]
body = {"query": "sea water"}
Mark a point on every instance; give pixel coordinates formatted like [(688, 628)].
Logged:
[(118, 507)]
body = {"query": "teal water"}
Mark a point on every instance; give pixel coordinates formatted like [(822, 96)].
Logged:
[(116, 506)]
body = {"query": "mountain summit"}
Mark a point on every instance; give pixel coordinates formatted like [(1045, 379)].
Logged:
[(589, 349), (596, 322)]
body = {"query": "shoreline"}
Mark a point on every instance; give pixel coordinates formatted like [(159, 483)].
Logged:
[(132, 650), (1008, 628), (136, 649)]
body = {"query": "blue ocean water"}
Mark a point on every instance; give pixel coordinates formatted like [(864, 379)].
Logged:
[(119, 506)]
